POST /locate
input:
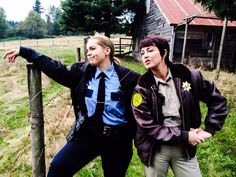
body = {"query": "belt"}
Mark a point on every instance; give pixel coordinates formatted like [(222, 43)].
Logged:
[(107, 130)]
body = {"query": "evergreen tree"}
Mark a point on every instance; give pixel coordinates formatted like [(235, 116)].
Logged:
[(3, 24), (222, 8), (37, 7), (109, 16)]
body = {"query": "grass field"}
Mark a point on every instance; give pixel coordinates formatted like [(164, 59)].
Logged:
[(217, 156)]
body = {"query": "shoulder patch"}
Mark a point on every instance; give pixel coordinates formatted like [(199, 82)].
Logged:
[(137, 99)]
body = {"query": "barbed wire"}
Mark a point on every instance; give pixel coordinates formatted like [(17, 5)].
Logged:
[(23, 149), (27, 102), (66, 115)]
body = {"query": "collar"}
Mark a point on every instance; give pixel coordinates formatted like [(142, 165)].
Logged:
[(168, 78), (108, 72)]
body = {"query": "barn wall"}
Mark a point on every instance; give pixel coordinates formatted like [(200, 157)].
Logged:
[(155, 23), (202, 47)]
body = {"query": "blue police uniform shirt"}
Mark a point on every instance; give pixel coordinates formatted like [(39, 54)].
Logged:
[(113, 113)]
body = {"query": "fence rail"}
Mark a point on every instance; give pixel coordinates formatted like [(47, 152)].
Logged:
[(64, 41), (76, 41), (124, 46)]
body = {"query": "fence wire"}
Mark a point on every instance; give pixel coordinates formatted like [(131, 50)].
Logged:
[(24, 147)]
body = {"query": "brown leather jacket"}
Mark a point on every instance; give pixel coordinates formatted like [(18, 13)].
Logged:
[(148, 113)]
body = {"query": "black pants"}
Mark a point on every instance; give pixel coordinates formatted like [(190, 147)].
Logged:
[(115, 150)]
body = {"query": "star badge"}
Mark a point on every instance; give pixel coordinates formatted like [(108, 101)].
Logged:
[(186, 86)]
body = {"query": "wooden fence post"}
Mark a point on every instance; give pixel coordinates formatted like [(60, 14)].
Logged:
[(185, 40), (221, 49), (85, 44), (120, 45), (78, 54), (37, 123)]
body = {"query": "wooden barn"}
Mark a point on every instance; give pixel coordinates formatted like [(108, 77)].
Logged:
[(177, 20)]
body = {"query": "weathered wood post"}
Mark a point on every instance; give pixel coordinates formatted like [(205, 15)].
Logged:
[(37, 123), (85, 50), (185, 40), (221, 49), (120, 45), (78, 54)]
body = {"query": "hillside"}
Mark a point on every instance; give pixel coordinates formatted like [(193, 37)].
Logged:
[(217, 156)]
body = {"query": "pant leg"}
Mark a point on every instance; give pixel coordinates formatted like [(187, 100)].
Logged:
[(116, 155), (183, 167), (160, 164), (73, 156)]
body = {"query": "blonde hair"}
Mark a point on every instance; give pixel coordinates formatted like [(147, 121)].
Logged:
[(105, 41)]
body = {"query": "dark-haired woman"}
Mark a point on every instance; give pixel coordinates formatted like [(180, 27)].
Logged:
[(166, 108)]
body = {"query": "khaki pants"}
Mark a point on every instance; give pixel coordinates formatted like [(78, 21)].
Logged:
[(172, 156)]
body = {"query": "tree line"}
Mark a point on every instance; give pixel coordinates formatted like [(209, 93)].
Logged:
[(76, 17), (88, 16)]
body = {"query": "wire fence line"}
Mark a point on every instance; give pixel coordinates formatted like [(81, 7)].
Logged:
[(63, 41), (60, 123), (21, 150), (26, 103), (76, 41), (24, 147)]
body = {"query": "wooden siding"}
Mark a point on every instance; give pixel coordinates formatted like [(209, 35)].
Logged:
[(155, 23), (202, 47)]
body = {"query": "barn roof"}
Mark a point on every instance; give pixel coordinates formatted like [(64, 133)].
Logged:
[(177, 10)]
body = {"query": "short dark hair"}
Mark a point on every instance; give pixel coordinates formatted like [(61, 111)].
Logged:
[(159, 42)]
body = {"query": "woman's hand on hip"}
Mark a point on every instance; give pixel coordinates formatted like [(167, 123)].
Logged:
[(194, 137)]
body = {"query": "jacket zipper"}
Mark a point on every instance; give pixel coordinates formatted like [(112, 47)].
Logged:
[(182, 111)]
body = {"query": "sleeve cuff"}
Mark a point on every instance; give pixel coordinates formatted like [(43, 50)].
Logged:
[(184, 136), (210, 130), (28, 53)]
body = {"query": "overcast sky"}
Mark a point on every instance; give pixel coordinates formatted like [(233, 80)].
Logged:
[(17, 10)]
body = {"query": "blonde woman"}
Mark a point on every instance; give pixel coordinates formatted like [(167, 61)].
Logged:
[(104, 122)]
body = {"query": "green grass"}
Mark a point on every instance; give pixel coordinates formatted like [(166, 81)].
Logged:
[(14, 115), (134, 65), (11, 39), (11, 165), (65, 54), (217, 156)]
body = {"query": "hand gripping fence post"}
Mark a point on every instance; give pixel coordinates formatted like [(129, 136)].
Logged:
[(37, 122)]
